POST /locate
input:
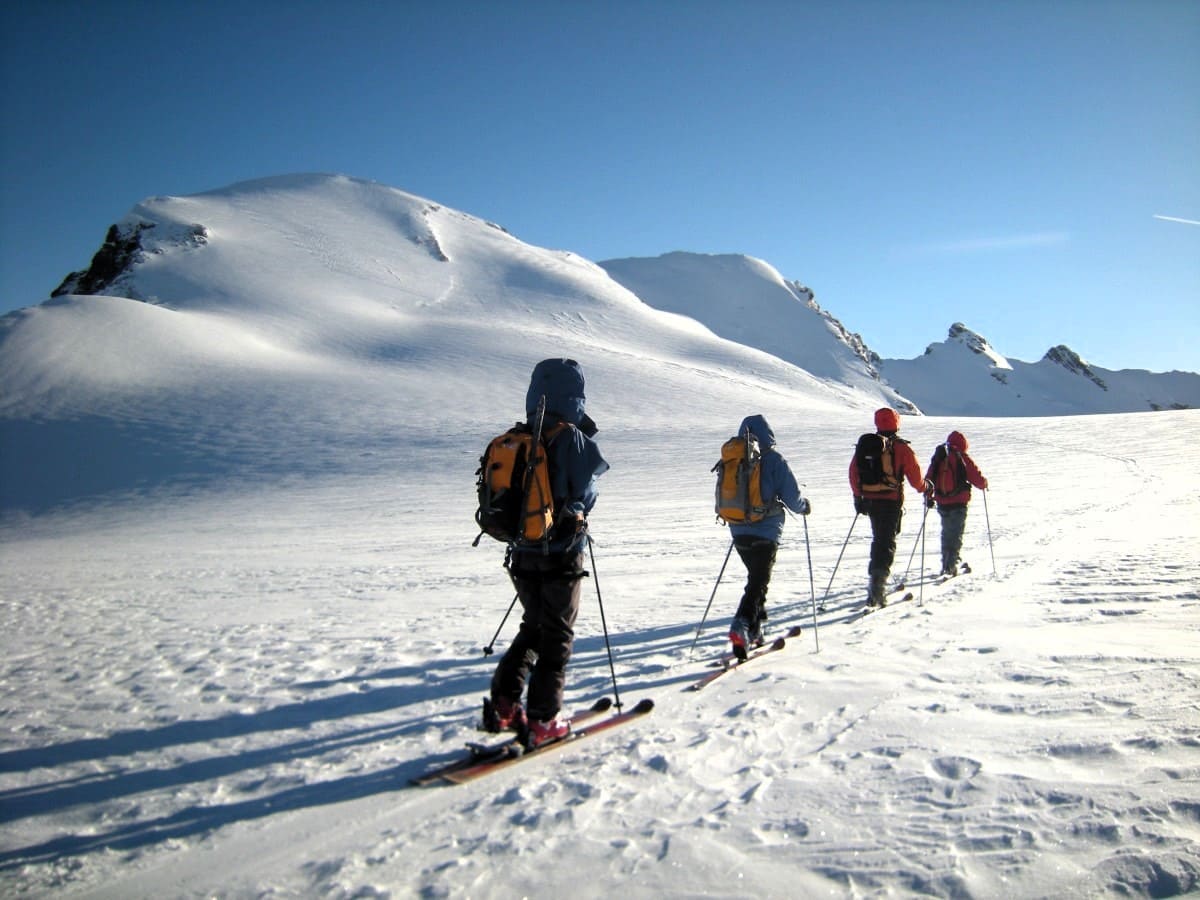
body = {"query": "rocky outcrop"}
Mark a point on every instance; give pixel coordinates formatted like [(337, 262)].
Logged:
[(125, 245), (1072, 362)]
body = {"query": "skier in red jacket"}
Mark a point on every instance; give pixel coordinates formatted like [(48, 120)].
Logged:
[(952, 473), (883, 500)]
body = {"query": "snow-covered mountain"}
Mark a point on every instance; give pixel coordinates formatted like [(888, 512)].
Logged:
[(215, 334), (964, 375), (222, 331), (746, 300)]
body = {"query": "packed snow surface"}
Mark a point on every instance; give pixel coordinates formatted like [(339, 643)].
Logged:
[(226, 694)]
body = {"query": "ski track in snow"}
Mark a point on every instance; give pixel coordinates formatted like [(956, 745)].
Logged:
[(225, 695)]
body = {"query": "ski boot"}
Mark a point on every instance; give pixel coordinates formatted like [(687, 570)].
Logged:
[(546, 732), (501, 714)]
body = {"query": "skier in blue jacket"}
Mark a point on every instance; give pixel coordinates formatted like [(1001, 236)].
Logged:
[(758, 542), (547, 578)]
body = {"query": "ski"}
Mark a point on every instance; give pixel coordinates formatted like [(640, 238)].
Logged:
[(894, 589), (729, 658), (478, 753), (516, 753), (867, 610), (963, 569), (729, 663)]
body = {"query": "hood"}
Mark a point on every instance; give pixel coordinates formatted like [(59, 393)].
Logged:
[(957, 441), (561, 381), (760, 429)]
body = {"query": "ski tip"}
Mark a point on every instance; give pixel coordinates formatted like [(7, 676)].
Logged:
[(602, 704), (644, 706), (778, 644), (794, 631), (907, 596)]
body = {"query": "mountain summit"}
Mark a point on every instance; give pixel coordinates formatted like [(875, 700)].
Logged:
[(214, 335), (748, 301)]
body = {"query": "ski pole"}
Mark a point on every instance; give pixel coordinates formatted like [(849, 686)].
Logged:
[(988, 519), (603, 624), (839, 559), (812, 588), (912, 555), (704, 618), (487, 651), (924, 516)]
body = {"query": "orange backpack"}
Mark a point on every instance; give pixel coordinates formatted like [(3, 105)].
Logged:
[(516, 504), (739, 481)]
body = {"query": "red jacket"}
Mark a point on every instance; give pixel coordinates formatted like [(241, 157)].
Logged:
[(970, 470), (904, 465)]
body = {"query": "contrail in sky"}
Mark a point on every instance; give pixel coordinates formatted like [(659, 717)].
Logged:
[(1174, 219)]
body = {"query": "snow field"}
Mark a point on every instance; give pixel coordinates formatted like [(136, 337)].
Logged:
[(225, 694)]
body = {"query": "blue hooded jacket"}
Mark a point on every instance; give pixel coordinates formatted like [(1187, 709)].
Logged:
[(779, 487), (575, 459)]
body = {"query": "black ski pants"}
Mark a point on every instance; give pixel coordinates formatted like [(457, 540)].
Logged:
[(549, 588), (758, 554), (885, 516)]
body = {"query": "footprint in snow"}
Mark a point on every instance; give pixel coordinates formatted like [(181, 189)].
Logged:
[(956, 768)]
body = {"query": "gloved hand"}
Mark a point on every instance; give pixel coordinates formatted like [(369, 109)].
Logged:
[(805, 507), (928, 488), (929, 503), (860, 505)]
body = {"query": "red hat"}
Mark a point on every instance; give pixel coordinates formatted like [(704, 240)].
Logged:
[(957, 441), (887, 420)]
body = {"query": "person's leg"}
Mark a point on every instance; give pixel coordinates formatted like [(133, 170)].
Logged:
[(508, 680), (954, 523), (885, 526), (559, 607), (758, 555)]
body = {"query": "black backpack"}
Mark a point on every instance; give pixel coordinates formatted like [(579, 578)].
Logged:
[(875, 464)]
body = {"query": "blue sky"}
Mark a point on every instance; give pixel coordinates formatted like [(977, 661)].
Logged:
[(914, 162)]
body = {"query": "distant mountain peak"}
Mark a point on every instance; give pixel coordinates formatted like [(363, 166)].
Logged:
[(1073, 362), (973, 341)]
